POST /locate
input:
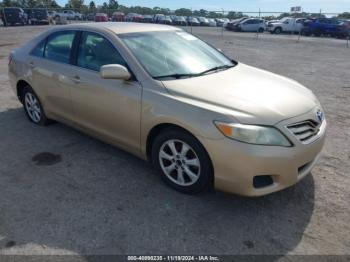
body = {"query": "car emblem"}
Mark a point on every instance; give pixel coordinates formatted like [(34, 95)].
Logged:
[(319, 115)]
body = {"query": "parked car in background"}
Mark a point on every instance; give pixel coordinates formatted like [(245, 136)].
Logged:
[(133, 17), (271, 21), (219, 22), (90, 17), (179, 20), (147, 19), (212, 22), (60, 17), (251, 25), (37, 16), (157, 17), (203, 21), (72, 15), (226, 20), (101, 17), (343, 29), (233, 24), (165, 20), (193, 21), (286, 24), (13, 16), (321, 26), (51, 16), (118, 16)]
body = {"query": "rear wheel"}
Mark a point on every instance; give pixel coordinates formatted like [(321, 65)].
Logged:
[(261, 30), (182, 161), (33, 107)]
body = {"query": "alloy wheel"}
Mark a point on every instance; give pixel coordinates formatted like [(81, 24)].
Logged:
[(32, 107), (179, 162)]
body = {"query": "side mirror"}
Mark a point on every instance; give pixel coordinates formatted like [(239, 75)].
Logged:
[(115, 72)]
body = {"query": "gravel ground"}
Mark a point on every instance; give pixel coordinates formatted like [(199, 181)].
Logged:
[(92, 198)]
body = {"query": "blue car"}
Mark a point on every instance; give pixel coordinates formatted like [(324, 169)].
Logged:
[(320, 26)]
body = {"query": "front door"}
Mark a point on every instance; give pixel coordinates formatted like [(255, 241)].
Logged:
[(111, 108)]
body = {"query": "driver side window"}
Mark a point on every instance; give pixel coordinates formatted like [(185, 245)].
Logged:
[(96, 51)]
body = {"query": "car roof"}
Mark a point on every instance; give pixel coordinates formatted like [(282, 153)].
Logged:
[(123, 27)]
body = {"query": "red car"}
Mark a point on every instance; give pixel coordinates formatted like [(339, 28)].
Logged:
[(101, 17)]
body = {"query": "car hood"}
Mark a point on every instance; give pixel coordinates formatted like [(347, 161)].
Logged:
[(249, 94)]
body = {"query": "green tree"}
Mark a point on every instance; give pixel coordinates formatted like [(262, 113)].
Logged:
[(183, 12), (156, 10), (345, 15), (7, 3), (113, 4), (92, 6), (32, 3), (234, 15), (76, 4), (215, 15)]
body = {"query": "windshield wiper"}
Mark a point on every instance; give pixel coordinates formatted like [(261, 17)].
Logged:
[(177, 76), (215, 69)]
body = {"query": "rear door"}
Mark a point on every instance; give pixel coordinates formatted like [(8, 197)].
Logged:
[(251, 25), (50, 67), (110, 108)]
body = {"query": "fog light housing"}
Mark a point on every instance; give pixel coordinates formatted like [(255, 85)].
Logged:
[(262, 181)]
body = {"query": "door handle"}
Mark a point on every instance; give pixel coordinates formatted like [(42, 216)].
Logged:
[(76, 79), (31, 64)]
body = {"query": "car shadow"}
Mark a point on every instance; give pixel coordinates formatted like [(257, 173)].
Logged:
[(65, 191)]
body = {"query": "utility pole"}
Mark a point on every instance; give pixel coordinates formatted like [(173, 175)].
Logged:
[(222, 28)]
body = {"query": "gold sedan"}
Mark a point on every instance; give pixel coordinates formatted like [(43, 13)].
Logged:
[(166, 96)]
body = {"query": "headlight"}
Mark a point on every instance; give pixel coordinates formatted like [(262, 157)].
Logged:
[(259, 135)]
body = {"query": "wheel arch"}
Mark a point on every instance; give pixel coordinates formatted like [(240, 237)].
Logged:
[(21, 84), (157, 129)]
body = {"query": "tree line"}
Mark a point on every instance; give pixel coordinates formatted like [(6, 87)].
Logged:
[(113, 5)]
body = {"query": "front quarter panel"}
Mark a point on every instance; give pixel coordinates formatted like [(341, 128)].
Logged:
[(160, 107)]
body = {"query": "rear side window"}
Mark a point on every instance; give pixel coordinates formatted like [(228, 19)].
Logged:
[(59, 45), (96, 51), (39, 49)]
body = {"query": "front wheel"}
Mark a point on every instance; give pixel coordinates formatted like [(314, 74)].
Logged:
[(182, 161), (33, 107), (277, 31)]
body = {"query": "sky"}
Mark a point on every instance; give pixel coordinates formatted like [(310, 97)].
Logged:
[(327, 6)]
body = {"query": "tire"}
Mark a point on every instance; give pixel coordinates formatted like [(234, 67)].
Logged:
[(318, 32), (261, 30), (33, 108), (277, 30), (194, 163)]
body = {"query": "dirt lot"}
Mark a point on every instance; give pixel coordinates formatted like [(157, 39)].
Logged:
[(95, 199)]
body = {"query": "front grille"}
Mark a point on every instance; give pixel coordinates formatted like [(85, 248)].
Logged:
[(305, 131)]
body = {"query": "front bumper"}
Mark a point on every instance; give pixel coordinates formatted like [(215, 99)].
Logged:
[(236, 163)]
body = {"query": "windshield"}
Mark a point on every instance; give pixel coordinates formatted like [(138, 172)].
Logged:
[(174, 53)]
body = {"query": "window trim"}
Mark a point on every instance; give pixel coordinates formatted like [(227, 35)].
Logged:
[(36, 45), (77, 46), (46, 39), (72, 47)]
